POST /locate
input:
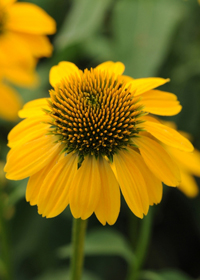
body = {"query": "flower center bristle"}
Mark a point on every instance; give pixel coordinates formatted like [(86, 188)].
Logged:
[(94, 113)]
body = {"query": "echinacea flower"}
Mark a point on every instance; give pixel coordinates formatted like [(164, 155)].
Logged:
[(23, 30), (10, 103), (92, 138), (189, 165)]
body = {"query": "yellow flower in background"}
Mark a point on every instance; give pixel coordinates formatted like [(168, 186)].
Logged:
[(92, 138), (189, 164), (10, 103), (23, 30)]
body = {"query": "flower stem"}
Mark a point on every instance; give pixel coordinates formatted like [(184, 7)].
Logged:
[(141, 247), (5, 262), (78, 237)]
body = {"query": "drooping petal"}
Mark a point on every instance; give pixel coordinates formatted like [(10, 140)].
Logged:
[(10, 103), (62, 71), (132, 182), (109, 203), (86, 189), (188, 185), (189, 161), (154, 185), (160, 103), (27, 130), (139, 86), (29, 18), (112, 67), (24, 161), (53, 197), (34, 108), (168, 136), (35, 181), (158, 161)]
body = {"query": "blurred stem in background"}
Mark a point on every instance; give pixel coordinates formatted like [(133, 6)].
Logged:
[(78, 238), (140, 244), (5, 261)]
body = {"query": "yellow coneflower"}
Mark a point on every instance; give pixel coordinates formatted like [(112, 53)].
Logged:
[(23, 30), (92, 138)]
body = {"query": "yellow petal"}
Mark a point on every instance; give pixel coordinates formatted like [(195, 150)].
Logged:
[(61, 71), (27, 130), (54, 192), (112, 67), (34, 108), (109, 204), (160, 103), (188, 161), (29, 18), (7, 2), (158, 161), (188, 185), (10, 103), (24, 161), (86, 188), (35, 181), (168, 136), (154, 185), (131, 181), (19, 55), (20, 76), (39, 45), (139, 86)]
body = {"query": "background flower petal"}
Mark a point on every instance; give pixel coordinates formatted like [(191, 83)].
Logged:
[(29, 18)]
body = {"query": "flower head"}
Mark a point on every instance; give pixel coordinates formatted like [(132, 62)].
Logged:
[(92, 138)]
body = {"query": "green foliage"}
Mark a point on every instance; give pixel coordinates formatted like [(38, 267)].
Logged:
[(65, 274), (103, 242), (85, 18), (164, 275)]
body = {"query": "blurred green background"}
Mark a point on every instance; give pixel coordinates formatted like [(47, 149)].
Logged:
[(152, 38)]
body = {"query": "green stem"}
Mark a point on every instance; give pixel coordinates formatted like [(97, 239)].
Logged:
[(78, 237), (141, 247), (5, 263)]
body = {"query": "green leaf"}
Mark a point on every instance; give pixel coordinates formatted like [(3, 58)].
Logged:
[(174, 275), (84, 19), (164, 275), (103, 242), (143, 31)]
